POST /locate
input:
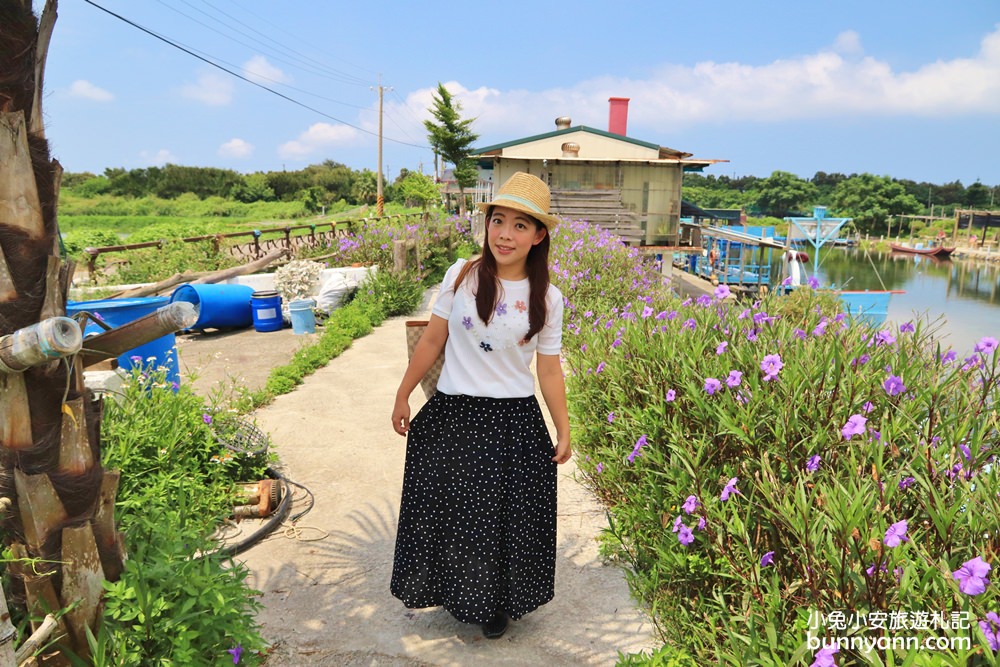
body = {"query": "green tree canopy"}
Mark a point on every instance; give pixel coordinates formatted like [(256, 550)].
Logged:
[(872, 200), (451, 137), (783, 193), (415, 187)]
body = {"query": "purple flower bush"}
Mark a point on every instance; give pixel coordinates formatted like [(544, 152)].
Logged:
[(865, 458)]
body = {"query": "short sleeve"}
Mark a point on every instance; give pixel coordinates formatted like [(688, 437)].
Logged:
[(550, 337), (446, 295)]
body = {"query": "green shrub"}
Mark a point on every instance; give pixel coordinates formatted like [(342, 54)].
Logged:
[(833, 433)]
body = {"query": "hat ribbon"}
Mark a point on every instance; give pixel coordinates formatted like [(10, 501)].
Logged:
[(520, 200)]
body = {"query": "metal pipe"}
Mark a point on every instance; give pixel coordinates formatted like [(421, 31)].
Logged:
[(165, 320)]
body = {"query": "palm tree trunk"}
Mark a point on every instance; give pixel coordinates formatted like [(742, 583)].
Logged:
[(63, 502)]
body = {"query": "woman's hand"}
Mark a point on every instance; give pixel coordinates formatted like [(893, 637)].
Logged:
[(401, 416), (563, 451)]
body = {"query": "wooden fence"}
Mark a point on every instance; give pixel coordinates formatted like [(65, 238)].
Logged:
[(261, 241)]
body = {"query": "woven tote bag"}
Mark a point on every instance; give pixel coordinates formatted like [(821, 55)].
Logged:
[(414, 330)]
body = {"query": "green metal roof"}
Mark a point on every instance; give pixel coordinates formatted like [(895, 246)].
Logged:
[(556, 133)]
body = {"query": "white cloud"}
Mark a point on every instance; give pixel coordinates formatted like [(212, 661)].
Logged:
[(211, 88), (848, 43), (236, 147), (159, 158), (835, 82), (318, 137), (259, 70), (88, 91)]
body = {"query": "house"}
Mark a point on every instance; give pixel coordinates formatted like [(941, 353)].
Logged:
[(628, 186)]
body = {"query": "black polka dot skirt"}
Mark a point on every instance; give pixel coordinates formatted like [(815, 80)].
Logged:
[(477, 521)]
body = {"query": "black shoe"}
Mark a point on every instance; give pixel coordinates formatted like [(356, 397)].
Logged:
[(496, 626)]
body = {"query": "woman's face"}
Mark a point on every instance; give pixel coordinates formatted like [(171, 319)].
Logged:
[(510, 235)]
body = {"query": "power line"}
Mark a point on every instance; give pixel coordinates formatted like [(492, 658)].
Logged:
[(243, 78), (340, 77)]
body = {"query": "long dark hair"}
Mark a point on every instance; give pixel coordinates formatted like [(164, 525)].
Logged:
[(487, 291)]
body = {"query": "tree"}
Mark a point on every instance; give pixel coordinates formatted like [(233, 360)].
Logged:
[(415, 187), (783, 193), (872, 200), (452, 139), (253, 188), (365, 188), (63, 501)]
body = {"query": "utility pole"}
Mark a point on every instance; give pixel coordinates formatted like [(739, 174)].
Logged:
[(380, 200)]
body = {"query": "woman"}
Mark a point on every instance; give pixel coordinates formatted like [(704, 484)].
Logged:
[(477, 521)]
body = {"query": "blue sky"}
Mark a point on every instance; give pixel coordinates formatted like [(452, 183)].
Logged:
[(905, 89)]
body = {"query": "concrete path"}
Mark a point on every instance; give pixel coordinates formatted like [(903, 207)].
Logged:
[(327, 601)]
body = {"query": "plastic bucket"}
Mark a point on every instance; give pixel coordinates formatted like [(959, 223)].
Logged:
[(266, 307), (219, 306), (303, 318), (117, 312)]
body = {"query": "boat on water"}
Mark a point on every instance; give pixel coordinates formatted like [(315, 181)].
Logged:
[(939, 251)]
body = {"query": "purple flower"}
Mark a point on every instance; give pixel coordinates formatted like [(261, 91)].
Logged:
[(721, 292), (786, 282), (615, 343), (870, 570), (678, 522), (467, 322), (893, 385), (639, 444), (812, 465), (646, 312), (868, 406), (501, 309), (971, 577), (730, 488), (986, 345), (907, 327), (691, 504), (824, 657), (745, 314), (600, 367), (175, 385), (734, 379), (949, 357), (771, 365), (689, 324), (907, 482), (207, 418), (701, 523), (991, 628), (672, 315), (854, 426), (884, 338), (135, 359), (712, 385), (820, 329), (611, 417), (704, 301), (767, 559), (600, 468), (237, 653), (813, 283), (662, 315), (799, 333), (671, 395), (685, 536), (896, 534), (721, 347), (860, 361)]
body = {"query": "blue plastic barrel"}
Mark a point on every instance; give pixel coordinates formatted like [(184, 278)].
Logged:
[(303, 318), (266, 307), (118, 312), (219, 306)]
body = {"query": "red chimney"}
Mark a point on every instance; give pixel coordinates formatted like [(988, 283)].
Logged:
[(618, 115)]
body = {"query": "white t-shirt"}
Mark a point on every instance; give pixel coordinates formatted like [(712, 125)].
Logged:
[(493, 360)]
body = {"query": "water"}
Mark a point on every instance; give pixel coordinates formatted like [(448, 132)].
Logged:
[(960, 297)]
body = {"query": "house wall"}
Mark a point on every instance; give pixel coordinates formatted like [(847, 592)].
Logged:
[(653, 191), (592, 147)]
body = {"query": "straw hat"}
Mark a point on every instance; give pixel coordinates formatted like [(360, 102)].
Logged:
[(527, 194)]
